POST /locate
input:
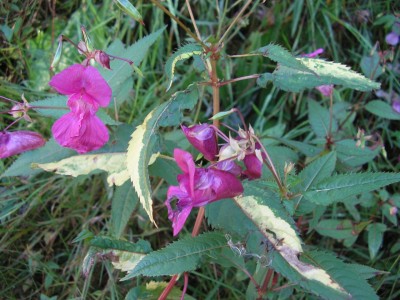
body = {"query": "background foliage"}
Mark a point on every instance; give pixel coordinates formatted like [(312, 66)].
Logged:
[(46, 219)]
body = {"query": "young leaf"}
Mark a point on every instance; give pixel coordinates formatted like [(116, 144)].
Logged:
[(144, 138), (375, 238), (292, 80), (123, 203), (382, 109), (319, 119), (339, 187), (283, 57), (182, 53), (181, 256), (50, 152), (113, 163)]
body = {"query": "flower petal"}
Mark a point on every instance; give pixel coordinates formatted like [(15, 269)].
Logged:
[(95, 85), (68, 81), (225, 185), (203, 138), (253, 166), (185, 162), (12, 143), (82, 133)]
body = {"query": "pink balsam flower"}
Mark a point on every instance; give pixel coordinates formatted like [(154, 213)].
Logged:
[(203, 138), (197, 187), (12, 143), (87, 90)]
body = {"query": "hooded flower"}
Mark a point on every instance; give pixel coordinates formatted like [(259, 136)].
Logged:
[(87, 90), (203, 138), (12, 143), (197, 187)]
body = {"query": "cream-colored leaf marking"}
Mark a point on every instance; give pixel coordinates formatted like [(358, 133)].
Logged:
[(268, 222), (127, 260), (309, 271), (113, 163), (135, 163)]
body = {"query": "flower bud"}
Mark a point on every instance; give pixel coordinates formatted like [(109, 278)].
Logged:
[(203, 138), (103, 59), (326, 89), (12, 143)]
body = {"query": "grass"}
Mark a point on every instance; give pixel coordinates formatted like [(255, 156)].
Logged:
[(41, 216)]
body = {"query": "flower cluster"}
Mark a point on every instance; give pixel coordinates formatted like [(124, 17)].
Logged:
[(81, 129), (200, 186)]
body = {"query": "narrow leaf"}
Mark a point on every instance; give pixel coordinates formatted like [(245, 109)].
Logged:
[(123, 203), (339, 187), (375, 238), (113, 163), (182, 53), (181, 256), (382, 109), (130, 10), (143, 140)]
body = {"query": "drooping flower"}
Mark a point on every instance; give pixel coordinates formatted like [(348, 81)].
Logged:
[(197, 187), (203, 138), (87, 90), (12, 143), (81, 132)]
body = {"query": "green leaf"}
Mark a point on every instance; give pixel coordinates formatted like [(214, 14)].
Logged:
[(365, 272), (123, 203), (338, 187), (113, 163), (305, 148), (130, 10), (144, 139), (182, 53), (352, 155), (293, 80), (382, 109), (121, 71), (153, 290), (370, 66), (375, 238), (336, 229), (319, 119), (107, 243), (50, 152), (283, 57), (181, 256)]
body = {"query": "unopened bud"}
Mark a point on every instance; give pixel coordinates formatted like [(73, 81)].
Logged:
[(57, 55), (103, 59), (12, 143)]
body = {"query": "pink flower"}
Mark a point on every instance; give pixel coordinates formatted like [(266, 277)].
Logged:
[(87, 90), (396, 106), (326, 89), (83, 82), (82, 132), (197, 187), (203, 138), (12, 143)]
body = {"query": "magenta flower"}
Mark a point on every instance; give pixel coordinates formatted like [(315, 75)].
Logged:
[(203, 138), (197, 187), (87, 90), (396, 106), (81, 132), (12, 143), (314, 53)]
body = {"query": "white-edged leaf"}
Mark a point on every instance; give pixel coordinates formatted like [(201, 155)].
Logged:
[(143, 141), (113, 163), (185, 52)]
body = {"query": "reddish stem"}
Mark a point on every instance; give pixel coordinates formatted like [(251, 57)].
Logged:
[(168, 289)]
